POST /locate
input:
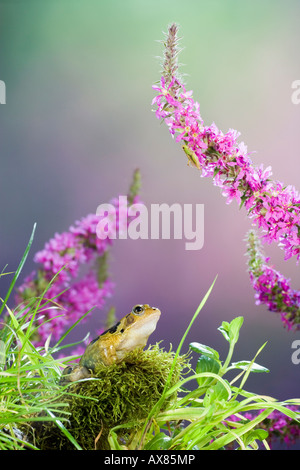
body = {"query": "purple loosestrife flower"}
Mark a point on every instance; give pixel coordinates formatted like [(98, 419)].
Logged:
[(68, 298), (282, 427), (279, 426), (70, 249), (271, 288), (273, 207), (85, 231)]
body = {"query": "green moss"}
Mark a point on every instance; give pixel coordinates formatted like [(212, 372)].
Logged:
[(118, 394)]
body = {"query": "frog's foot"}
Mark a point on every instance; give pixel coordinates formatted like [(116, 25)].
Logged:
[(72, 374)]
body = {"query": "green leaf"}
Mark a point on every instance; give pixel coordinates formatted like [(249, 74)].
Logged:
[(205, 350), (216, 171), (245, 364), (248, 369), (224, 328), (113, 441), (234, 329), (259, 434), (2, 355), (218, 393), (231, 330), (206, 364)]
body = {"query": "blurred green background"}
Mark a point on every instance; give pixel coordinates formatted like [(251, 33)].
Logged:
[(78, 121)]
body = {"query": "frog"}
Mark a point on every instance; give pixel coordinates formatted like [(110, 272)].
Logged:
[(111, 346)]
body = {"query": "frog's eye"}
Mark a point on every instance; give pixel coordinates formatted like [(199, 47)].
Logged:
[(138, 309)]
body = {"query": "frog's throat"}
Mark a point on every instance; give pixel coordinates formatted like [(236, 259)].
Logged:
[(139, 332)]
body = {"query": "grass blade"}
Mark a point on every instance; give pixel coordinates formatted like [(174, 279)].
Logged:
[(19, 269), (65, 431)]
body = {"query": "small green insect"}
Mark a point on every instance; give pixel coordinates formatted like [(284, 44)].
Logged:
[(192, 157)]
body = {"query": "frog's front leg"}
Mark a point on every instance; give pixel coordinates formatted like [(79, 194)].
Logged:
[(72, 374)]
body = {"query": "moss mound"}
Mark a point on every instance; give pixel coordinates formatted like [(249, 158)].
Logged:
[(118, 394)]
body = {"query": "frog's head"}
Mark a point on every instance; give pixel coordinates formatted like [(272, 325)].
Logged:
[(142, 319)]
